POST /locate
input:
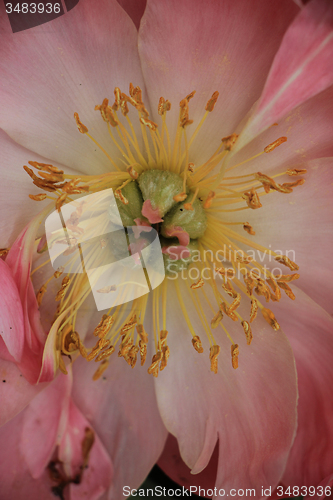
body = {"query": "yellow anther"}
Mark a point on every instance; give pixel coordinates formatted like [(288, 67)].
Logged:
[(262, 289), (212, 101), (296, 171), (143, 352), (243, 259), (62, 366), (270, 318), (46, 166), (287, 289), (190, 167), (148, 123), (288, 186), (133, 173), (254, 309), (165, 357), (233, 306), (107, 113), (103, 326), (163, 338), (77, 341), (4, 252), (132, 356), (117, 101), (184, 110), (198, 284), (142, 334), (58, 272), (248, 332), (283, 259), (288, 277), (227, 287), (274, 286), (132, 322), (269, 184), (226, 310), (38, 197), (197, 344), (275, 144), (234, 355), (60, 201), (64, 285), (118, 194), (101, 344), (226, 273), (51, 177), (40, 294), (101, 369), (125, 346), (153, 369), (249, 282), (163, 106), (180, 197), (105, 354), (217, 319), (214, 351), (249, 229), (82, 128), (229, 141), (252, 199), (209, 199)]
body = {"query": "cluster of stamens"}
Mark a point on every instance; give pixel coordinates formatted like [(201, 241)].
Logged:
[(214, 191)]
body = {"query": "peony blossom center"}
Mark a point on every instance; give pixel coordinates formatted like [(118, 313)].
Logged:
[(189, 206)]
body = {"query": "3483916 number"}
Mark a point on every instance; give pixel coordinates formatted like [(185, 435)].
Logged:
[(33, 8)]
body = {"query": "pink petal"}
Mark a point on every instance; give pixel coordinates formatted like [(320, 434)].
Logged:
[(15, 391), (309, 329), (172, 464), (325, 483), (44, 423), (212, 46), (11, 314), (62, 67), (302, 68), (97, 477), (134, 8), (121, 407), (252, 410), (17, 209), (16, 482), (179, 233), (152, 214)]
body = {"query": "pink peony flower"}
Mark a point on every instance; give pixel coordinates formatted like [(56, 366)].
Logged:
[(224, 144)]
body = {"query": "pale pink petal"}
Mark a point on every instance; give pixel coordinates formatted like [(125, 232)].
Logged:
[(121, 406), (172, 464), (67, 65), (152, 214), (302, 68), (11, 313), (134, 8), (251, 410), (179, 233), (17, 209), (16, 482), (309, 329), (212, 46), (15, 391), (44, 423), (97, 477), (324, 490)]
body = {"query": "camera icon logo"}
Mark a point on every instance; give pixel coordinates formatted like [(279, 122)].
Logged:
[(121, 263)]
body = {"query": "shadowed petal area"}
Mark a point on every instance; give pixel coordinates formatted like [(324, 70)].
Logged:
[(68, 65), (15, 391), (188, 45), (134, 8), (121, 406), (15, 478), (172, 464), (251, 410), (11, 313), (302, 67), (310, 331), (44, 423)]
